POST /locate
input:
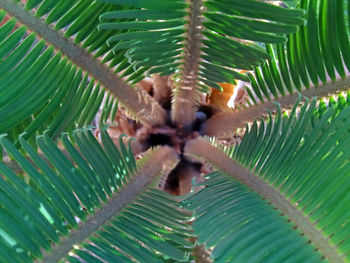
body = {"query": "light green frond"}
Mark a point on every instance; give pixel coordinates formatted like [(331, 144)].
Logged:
[(40, 89), (239, 226), (157, 35), (337, 103), (317, 53), (290, 3), (87, 201)]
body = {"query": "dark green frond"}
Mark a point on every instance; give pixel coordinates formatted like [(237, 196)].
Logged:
[(86, 193), (40, 89), (239, 226), (145, 108), (317, 53), (154, 34), (78, 19), (139, 232), (234, 27), (280, 194), (74, 18), (158, 35), (304, 157)]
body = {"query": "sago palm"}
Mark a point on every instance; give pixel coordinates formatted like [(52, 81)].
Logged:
[(71, 192)]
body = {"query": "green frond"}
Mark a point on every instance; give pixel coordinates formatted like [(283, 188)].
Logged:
[(146, 108), (89, 197), (142, 222), (291, 3), (276, 134), (233, 27), (304, 158), (157, 35), (154, 33), (298, 165), (237, 225), (317, 53), (40, 89), (337, 103), (281, 195), (109, 111), (78, 19)]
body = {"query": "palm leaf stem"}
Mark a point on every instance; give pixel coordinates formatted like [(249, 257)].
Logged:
[(164, 156), (184, 101), (202, 149), (222, 124), (145, 108)]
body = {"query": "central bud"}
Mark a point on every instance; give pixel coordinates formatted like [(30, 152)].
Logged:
[(179, 181)]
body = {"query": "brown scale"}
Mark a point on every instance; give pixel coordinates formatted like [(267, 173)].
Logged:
[(179, 180)]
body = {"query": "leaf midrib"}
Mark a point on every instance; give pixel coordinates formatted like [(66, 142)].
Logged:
[(201, 148), (144, 107), (165, 155), (225, 123)]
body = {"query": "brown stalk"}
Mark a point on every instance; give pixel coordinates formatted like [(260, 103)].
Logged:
[(143, 106), (224, 123), (164, 156), (201, 149), (185, 93)]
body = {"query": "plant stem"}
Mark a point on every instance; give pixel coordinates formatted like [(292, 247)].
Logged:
[(160, 160), (202, 149), (184, 102), (225, 123), (144, 107)]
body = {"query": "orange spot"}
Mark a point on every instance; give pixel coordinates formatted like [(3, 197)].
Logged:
[(220, 99)]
